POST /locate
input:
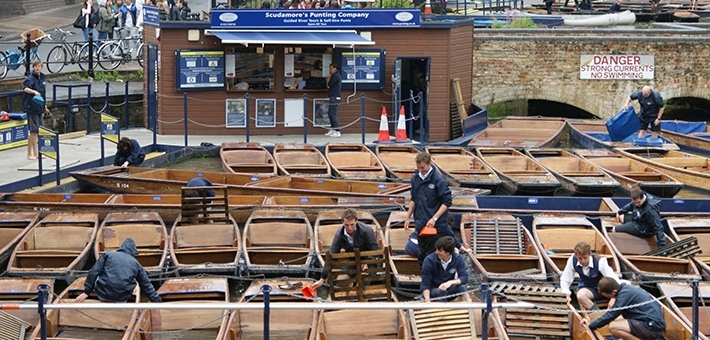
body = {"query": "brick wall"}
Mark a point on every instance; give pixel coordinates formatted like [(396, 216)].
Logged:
[(545, 65)]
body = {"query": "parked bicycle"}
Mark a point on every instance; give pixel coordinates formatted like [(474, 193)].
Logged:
[(113, 53), (75, 53), (13, 58)]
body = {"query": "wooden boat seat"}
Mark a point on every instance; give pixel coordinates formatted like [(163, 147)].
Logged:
[(7, 235), (205, 235), (518, 133), (397, 157), (642, 175), (276, 234), (470, 172), (397, 240), (305, 166), (526, 172), (64, 238), (145, 235), (83, 318), (375, 324), (359, 168), (632, 245), (582, 173), (352, 159), (206, 250), (298, 157), (433, 324), (558, 239), (507, 163), (247, 156), (683, 162)]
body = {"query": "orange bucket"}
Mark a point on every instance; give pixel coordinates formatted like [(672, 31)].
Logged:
[(308, 292)]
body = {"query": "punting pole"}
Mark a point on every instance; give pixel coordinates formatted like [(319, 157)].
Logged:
[(41, 299), (694, 286), (266, 289), (487, 297)]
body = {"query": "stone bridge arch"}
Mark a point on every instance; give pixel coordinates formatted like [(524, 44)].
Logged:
[(544, 65)]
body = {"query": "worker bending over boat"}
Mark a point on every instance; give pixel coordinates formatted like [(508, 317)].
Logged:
[(128, 152), (641, 217), (444, 272), (591, 268), (352, 235), (641, 316), (651, 104), (113, 277)]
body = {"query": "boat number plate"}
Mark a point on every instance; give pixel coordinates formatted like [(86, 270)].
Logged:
[(532, 200), (320, 181), (157, 198), (254, 179), (382, 186), (68, 197), (122, 185), (304, 200), (679, 201)]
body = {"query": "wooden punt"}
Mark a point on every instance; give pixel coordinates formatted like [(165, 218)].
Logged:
[(278, 241), (301, 160), (405, 268), (146, 229), (451, 324), (328, 223), (13, 226), (46, 203), (692, 169), (698, 227), (355, 162), (186, 324), (561, 234), (520, 174), (205, 238), (633, 174), (87, 323), (55, 245), (398, 161), (552, 319), (592, 206), (464, 168), (636, 265), (284, 324), (312, 206), (678, 297), (521, 132), (696, 142), (502, 248), (676, 329), (247, 159), (19, 291), (593, 134), (370, 324), (577, 176), (169, 181)]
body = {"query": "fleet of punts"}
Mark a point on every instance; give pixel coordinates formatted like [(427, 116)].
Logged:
[(276, 213)]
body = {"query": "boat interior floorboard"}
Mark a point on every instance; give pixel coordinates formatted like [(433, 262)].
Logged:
[(195, 334), (89, 334)]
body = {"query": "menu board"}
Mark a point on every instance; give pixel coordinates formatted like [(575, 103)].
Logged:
[(199, 70)]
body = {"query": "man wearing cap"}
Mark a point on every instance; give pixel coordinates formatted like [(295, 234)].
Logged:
[(33, 102)]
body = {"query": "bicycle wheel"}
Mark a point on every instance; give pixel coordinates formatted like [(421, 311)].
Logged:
[(56, 59), (4, 64), (84, 56), (110, 55), (140, 55)]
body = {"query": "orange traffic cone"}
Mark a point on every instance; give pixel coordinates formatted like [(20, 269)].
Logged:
[(384, 136), (427, 7), (401, 135)]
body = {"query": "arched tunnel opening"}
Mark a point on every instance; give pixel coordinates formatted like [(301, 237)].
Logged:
[(681, 108)]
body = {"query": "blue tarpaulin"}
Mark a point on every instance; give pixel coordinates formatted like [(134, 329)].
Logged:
[(683, 126), (623, 125)]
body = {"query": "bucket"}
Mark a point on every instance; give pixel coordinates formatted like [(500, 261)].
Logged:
[(308, 292), (38, 100)]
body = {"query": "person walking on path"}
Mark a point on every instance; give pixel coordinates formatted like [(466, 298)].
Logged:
[(642, 319), (113, 277), (34, 87), (105, 26), (651, 111), (87, 10), (641, 217), (334, 83), (430, 202)]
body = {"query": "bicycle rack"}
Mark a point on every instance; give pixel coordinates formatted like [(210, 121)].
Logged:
[(70, 105)]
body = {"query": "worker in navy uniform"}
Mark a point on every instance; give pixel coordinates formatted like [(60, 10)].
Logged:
[(591, 268), (641, 217), (128, 152), (651, 110), (444, 272)]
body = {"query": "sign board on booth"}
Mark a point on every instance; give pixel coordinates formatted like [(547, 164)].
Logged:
[(325, 18), (13, 133), (199, 69), (364, 66), (610, 67)]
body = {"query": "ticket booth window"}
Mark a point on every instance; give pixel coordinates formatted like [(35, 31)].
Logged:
[(306, 68), (249, 69)]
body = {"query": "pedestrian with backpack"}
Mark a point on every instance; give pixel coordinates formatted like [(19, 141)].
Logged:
[(106, 21)]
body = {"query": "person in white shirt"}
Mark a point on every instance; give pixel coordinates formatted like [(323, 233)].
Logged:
[(590, 268)]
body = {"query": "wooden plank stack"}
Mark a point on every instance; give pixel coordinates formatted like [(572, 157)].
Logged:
[(375, 284), (552, 321), (495, 236), (684, 248)]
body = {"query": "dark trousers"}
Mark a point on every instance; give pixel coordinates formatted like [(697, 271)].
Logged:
[(427, 245), (548, 6), (434, 293), (333, 113), (629, 227)]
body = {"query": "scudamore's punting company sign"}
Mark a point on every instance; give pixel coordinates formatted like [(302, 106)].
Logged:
[(593, 66)]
